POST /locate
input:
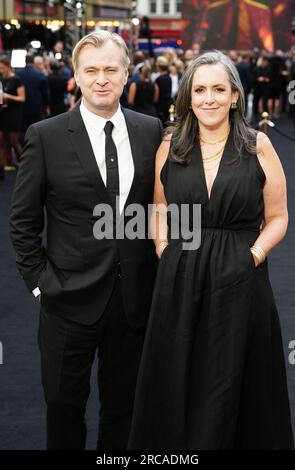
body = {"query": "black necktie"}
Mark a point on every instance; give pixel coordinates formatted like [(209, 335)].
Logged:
[(111, 158)]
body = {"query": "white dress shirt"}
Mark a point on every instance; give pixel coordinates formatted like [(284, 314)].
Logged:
[(95, 129)]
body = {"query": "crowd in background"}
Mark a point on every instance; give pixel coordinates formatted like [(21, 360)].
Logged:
[(46, 87)]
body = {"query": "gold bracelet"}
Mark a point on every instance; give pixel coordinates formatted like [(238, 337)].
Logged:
[(259, 253), (254, 255)]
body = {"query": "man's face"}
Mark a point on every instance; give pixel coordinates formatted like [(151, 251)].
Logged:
[(101, 76)]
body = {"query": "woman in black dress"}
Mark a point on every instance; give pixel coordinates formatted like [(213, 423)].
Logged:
[(143, 94), (11, 112), (212, 374)]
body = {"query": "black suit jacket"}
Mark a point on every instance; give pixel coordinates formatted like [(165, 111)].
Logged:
[(76, 272)]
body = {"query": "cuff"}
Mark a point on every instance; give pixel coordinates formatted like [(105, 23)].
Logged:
[(36, 292)]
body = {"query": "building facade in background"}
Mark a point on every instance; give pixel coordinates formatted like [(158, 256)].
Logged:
[(22, 21), (165, 20)]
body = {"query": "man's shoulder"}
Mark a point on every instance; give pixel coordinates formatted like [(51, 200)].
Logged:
[(242, 65), (30, 72), (53, 123)]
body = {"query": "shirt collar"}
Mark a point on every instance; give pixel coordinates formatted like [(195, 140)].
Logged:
[(99, 122)]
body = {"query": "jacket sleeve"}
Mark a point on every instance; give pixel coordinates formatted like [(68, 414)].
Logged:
[(27, 210)]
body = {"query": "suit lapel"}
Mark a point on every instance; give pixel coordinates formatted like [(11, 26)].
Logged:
[(136, 150), (81, 143)]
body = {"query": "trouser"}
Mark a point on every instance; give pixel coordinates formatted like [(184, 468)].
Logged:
[(67, 354), (256, 99)]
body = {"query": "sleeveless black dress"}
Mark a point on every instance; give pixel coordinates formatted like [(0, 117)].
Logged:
[(212, 374), (144, 98)]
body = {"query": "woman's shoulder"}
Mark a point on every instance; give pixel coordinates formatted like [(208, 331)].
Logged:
[(166, 144), (164, 147), (267, 156), (263, 144), (167, 137), (16, 80)]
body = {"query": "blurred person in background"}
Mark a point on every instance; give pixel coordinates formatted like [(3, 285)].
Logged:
[(143, 94), (170, 55), (59, 52), (36, 106), (138, 62), (244, 69), (164, 83), (40, 65), (189, 56), (11, 110), (175, 71), (278, 84), (179, 64), (261, 86), (57, 82), (233, 55)]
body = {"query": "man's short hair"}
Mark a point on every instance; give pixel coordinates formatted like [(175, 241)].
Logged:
[(98, 39)]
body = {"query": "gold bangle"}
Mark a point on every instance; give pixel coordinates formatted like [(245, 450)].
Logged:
[(259, 253), (257, 259)]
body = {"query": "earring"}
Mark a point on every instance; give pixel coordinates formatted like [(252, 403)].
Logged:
[(234, 105)]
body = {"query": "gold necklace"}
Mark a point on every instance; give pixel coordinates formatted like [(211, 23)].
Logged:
[(211, 167), (214, 142), (213, 157)]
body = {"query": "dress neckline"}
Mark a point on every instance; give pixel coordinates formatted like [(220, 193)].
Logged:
[(221, 162)]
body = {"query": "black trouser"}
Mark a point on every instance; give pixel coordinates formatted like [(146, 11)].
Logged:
[(67, 354), (257, 96)]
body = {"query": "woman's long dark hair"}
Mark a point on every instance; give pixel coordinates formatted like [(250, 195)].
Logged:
[(185, 130)]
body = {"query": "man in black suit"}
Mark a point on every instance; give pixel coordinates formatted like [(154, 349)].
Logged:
[(244, 69), (95, 293), (36, 105)]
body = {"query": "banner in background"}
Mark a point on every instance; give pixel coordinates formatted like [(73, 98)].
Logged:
[(237, 24)]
